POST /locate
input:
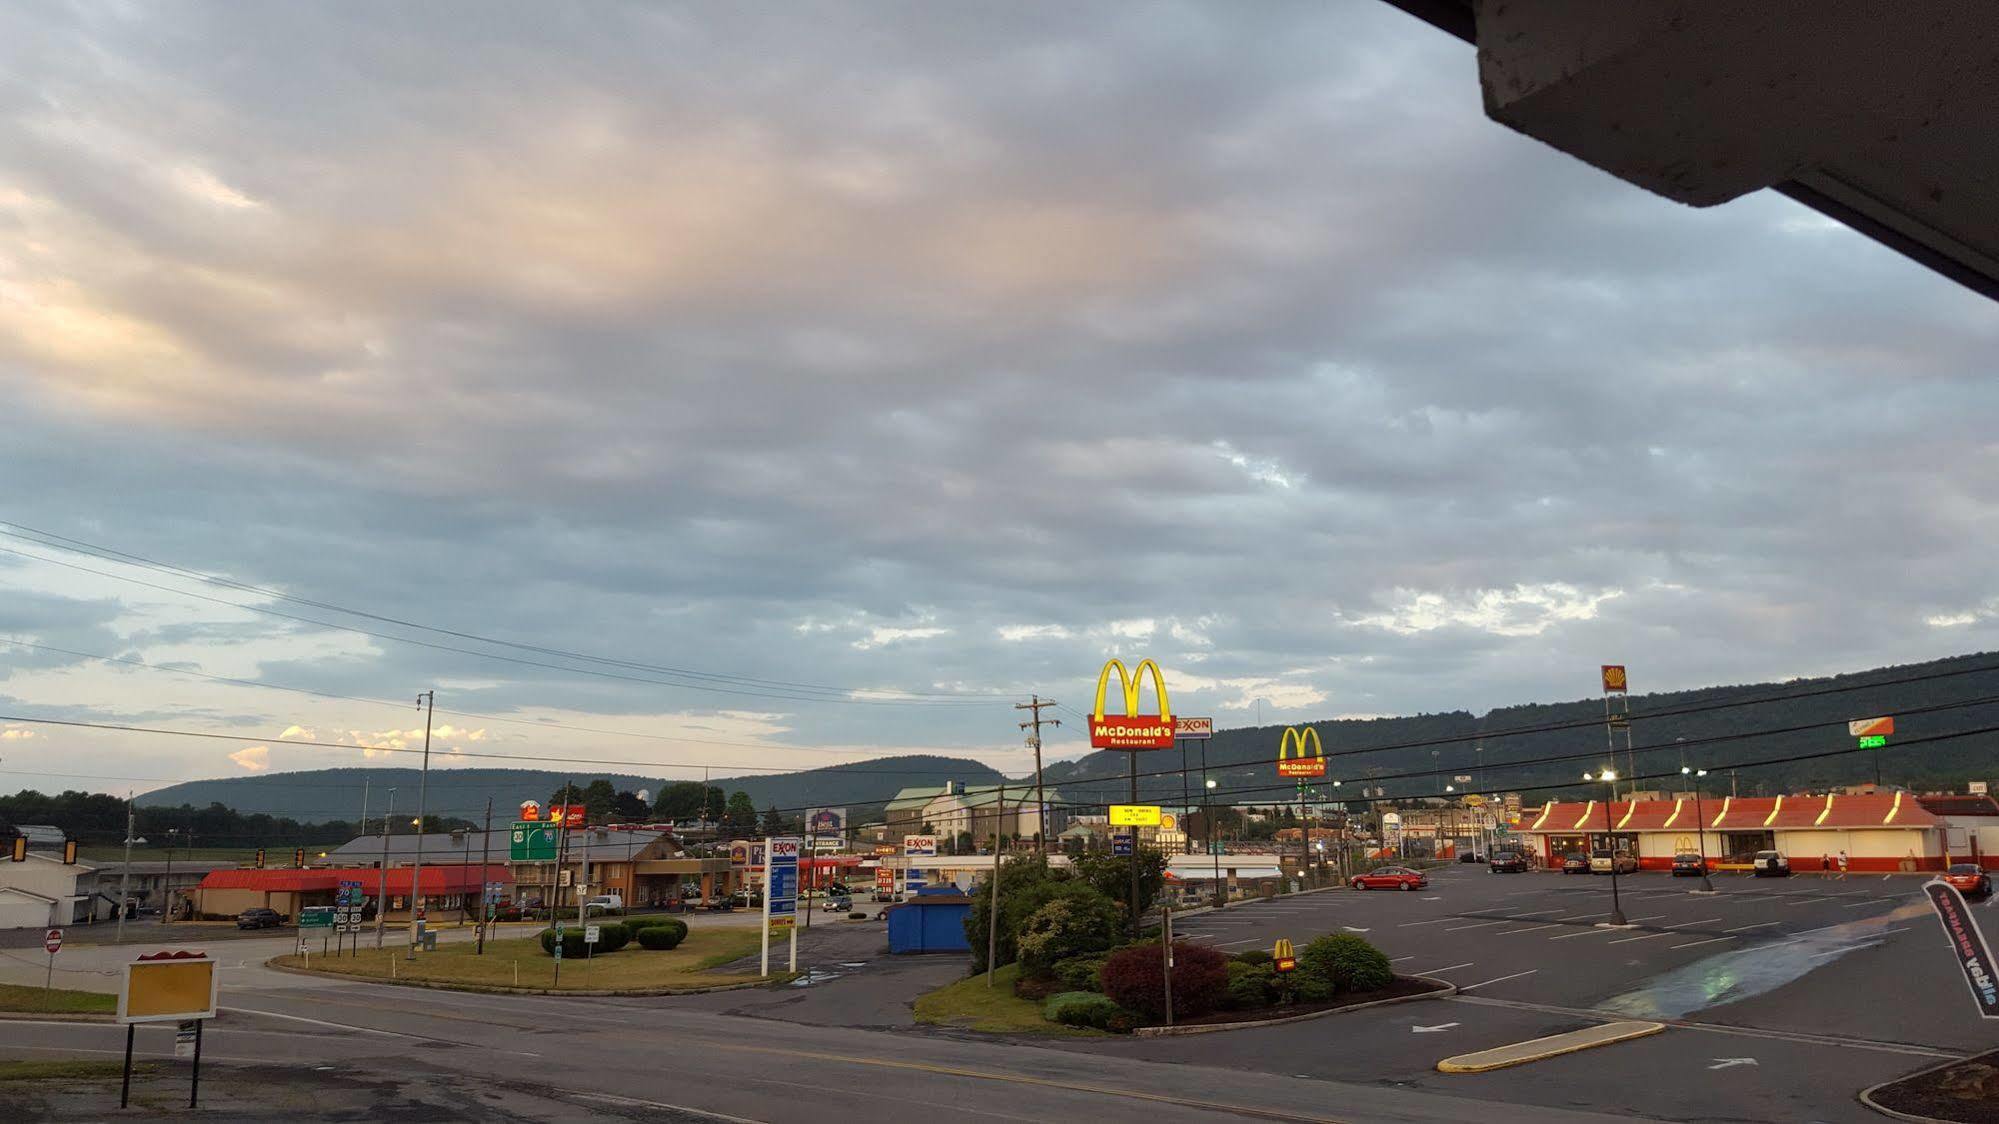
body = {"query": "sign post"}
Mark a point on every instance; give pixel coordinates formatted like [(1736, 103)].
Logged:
[(1967, 943), (163, 987), (53, 942), (1872, 733), (915, 847), (780, 897)]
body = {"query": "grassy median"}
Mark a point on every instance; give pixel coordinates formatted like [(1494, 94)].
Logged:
[(520, 962), (970, 1005), (55, 1001)]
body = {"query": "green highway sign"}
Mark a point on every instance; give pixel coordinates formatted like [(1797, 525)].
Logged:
[(532, 842), (316, 917)]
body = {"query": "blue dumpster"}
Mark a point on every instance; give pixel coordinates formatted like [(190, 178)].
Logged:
[(932, 921)]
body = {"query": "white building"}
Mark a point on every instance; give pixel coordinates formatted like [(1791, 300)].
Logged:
[(44, 892)]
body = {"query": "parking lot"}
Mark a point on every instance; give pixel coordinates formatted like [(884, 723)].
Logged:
[(1824, 986)]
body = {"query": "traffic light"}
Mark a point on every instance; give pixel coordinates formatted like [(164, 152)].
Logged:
[(260, 858), (20, 848), (69, 852), (298, 858)]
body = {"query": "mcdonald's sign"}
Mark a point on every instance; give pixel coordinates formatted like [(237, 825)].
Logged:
[(1132, 730), (1303, 764)]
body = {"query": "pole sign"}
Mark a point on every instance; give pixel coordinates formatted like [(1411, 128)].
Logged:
[(532, 842), (781, 883), (316, 917), (1135, 815), (885, 879), (826, 821), (1194, 728), (1121, 844), (916, 847), (1300, 764), (1132, 730), (591, 933), (1869, 727), (52, 940), (1614, 682), (1967, 943)]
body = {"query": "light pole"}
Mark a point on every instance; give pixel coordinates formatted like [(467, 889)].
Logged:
[(1609, 779), (1700, 823), (428, 700), (1214, 848)]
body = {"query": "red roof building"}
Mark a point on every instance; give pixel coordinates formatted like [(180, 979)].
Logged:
[(1883, 832), (225, 893)]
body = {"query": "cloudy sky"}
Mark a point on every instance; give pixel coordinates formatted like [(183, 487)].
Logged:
[(882, 363)]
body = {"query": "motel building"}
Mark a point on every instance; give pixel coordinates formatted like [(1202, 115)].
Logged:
[(1883, 832)]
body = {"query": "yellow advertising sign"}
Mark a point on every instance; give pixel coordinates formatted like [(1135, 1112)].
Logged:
[(1474, 800), (171, 987), (1135, 815), (1303, 765)]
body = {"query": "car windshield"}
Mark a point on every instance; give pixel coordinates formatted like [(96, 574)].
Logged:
[(1576, 855), (1963, 868)]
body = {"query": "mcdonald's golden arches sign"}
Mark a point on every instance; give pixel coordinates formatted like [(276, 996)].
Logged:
[(1303, 764), (1132, 730)]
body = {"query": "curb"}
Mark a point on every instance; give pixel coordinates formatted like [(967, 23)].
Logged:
[(1449, 989), (1637, 1030), (1866, 1096), (502, 989), (58, 1016)]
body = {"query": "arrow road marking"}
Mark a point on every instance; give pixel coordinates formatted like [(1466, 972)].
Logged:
[(1434, 1029), (1726, 1063)]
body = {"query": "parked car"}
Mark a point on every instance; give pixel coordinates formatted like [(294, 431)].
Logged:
[(1612, 862), (888, 895), (1575, 862), (1969, 880), (260, 919), (603, 903), (1689, 862), (1770, 864), (1471, 857), (1391, 878), (1509, 862)]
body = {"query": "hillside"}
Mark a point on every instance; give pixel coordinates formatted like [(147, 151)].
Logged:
[(1240, 759), (324, 794)]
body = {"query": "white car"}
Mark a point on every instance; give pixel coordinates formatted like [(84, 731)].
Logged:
[(604, 903)]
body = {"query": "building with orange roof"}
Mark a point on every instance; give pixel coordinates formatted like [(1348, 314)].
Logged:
[(1882, 832)]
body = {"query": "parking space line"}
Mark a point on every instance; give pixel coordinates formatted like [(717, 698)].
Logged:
[(1864, 901), (1584, 933), (1758, 925), (1536, 913), (1480, 925), (1502, 979), (1400, 959), (1691, 924), (1628, 940), (1452, 968), (1407, 924), (1222, 944), (1710, 940), (1529, 929)]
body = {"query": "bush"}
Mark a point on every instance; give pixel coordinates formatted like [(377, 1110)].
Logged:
[(1037, 986), (1251, 985), (1135, 978), (1253, 956), (1308, 988), (1084, 1008), (1079, 973), (1075, 923), (646, 922), (572, 943), (658, 937), (611, 936), (673, 925), (1346, 962), (1027, 884)]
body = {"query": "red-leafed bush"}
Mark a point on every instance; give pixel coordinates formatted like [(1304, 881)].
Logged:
[(1135, 977)]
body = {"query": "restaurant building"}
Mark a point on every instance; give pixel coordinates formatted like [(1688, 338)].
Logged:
[(1883, 832)]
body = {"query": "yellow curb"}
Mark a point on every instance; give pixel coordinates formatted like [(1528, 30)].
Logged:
[(1520, 1053)]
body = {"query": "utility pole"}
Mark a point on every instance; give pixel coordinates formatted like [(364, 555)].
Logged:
[(167, 907), (125, 878), (1186, 837), (485, 898), (382, 894), (1034, 740), (427, 700), (992, 911)]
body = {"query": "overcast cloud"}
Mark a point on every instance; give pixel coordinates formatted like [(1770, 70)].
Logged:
[(916, 347)]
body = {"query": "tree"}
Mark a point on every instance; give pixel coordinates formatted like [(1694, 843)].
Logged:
[(680, 800), (773, 824), (964, 844), (1111, 875), (628, 808), (567, 794), (741, 813), (599, 799)]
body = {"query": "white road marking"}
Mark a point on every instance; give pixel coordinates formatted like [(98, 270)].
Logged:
[(1536, 913), (1400, 959), (1758, 925), (1710, 940), (1529, 929), (1431, 1029), (1407, 924), (1452, 968), (1480, 925), (1725, 1063), (1225, 944), (1691, 924), (633, 1102), (1865, 901), (1646, 937), (1501, 979)]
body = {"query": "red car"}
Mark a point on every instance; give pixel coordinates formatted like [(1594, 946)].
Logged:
[(1391, 878), (1969, 880)]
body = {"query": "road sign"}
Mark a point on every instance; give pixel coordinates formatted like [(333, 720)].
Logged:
[(1195, 728), (1967, 943), (184, 1034), (1866, 727), (590, 934), (1121, 844), (53, 941), (317, 916), (1134, 815), (1218, 848), (532, 842)]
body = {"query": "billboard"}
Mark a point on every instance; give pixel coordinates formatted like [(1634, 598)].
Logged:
[(168, 987), (1301, 764), (781, 883), (570, 815), (1132, 730), (1871, 727), (746, 853), (1193, 727), (1134, 815), (825, 821)]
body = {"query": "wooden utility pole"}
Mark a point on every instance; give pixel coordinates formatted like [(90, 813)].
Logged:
[(485, 898), (1034, 741)]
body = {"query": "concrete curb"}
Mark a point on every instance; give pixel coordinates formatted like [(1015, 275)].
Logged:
[(1866, 1096), (1571, 1042), (1449, 989), (502, 989), (59, 1016)]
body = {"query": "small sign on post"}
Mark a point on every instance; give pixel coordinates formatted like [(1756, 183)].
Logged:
[(52, 941), (176, 987), (1121, 844)]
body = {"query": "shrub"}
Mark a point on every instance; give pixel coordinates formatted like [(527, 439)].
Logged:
[(1251, 985), (1037, 986), (1075, 923), (673, 925), (1309, 988), (1136, 979), (1028, 884), (611, 936), (572, 943), (1253, 956), (1346, 962), (1079, 973), (658, 937), (1083, 1008), (646, 922)]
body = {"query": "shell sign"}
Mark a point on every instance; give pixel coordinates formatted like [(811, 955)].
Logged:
[(1613, 679)]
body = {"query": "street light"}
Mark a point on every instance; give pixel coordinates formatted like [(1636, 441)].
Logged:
[(1608, 777), (1214, 849), (1700, 823)]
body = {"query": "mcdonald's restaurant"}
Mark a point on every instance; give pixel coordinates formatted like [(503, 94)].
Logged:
[(1881, 832)]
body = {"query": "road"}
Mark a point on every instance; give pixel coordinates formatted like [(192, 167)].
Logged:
[(1827, 986)]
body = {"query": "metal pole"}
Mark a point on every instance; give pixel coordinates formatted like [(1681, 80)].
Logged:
[(194, 1088), (992, 912), (485, 898), (807, 873), (167, 891), (125, 878), (1166, 952), (422, 808), (1214, 830), (1133, 857), (1610, 842), (382, 894), (1186, 837), (1700, 826), (1304, 836), (561, 844), (125, 1094)]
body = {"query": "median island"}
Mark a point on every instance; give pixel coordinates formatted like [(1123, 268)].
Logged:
[(641, 956)]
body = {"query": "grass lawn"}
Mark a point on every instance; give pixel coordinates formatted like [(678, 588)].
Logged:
[(971, 1005), (69, 1070), (16, 997), (520, 962)]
